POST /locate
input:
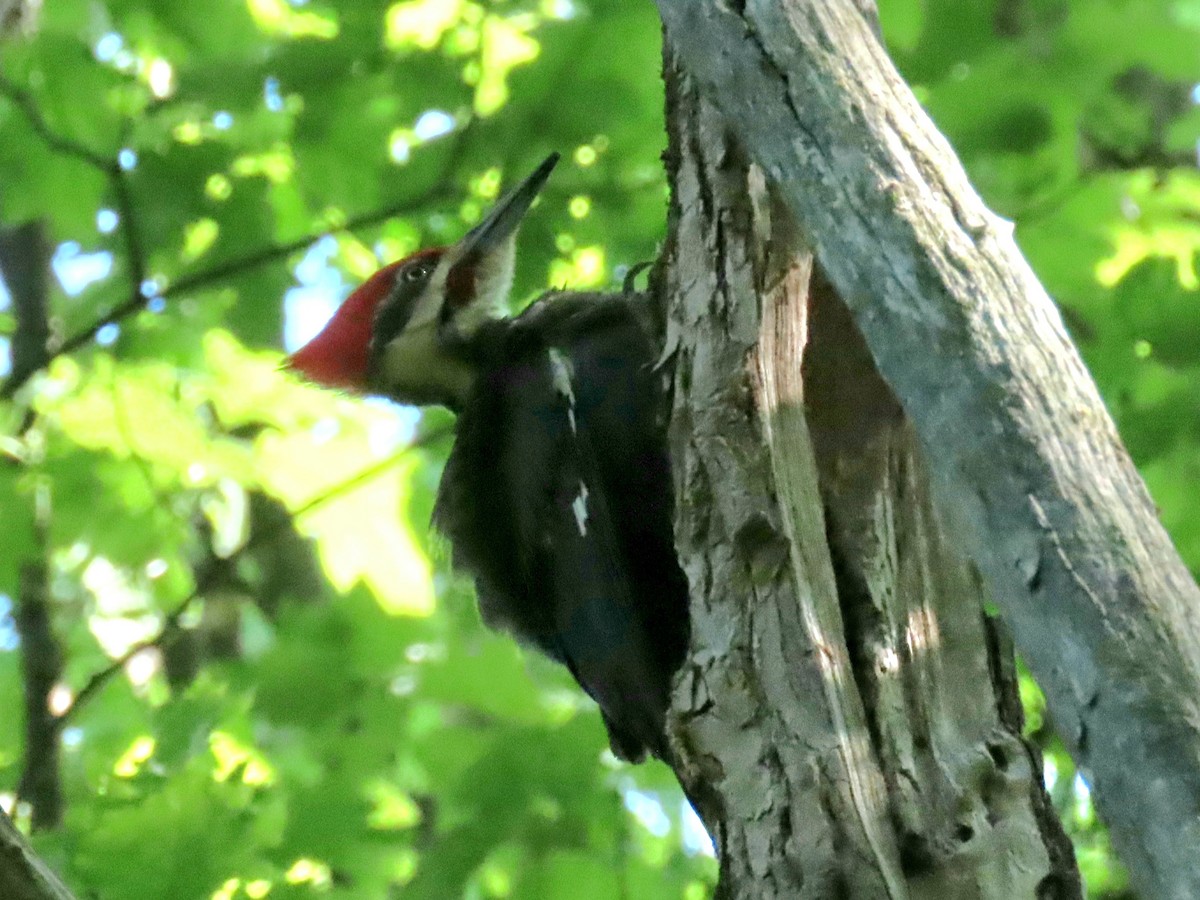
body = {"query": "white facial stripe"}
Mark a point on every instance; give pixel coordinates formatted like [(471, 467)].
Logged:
[(429, 304), (493, 282)]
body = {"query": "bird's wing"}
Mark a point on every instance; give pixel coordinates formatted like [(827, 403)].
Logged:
[(578, 570), (557, 499)]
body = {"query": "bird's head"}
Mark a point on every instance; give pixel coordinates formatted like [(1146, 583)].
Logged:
[(402, 332)]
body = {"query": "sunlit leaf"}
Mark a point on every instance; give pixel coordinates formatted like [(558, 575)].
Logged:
[(360, 532), (421, 23), (356, 731), (279, 17)]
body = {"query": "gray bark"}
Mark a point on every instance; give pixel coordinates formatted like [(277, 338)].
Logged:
[(821, 725), (22, 875), (1024, 461)]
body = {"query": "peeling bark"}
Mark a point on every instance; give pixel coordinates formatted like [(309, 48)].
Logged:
[(1024, 462), (821, 724)]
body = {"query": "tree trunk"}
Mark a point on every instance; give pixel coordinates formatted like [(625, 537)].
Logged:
[(22, 875), (848, 723), (822, 726), (25, 264)]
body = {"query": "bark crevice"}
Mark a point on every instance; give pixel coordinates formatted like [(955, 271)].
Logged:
[(833, 622), (1008, 429)]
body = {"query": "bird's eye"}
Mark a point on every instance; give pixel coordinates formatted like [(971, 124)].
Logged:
[(415, 271)]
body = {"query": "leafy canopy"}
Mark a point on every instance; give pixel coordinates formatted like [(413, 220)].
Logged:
[(319, 710)]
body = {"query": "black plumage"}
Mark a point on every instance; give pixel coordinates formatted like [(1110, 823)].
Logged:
[(557, 499), (557, 495)]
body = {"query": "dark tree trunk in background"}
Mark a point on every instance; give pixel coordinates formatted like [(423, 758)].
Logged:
[(855, 335), (25, 263)]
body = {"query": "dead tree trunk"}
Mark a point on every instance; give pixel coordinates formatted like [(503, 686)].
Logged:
[(848, 724), (824, 727)]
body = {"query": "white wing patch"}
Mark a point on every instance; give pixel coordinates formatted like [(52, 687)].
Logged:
[(579, 507), (562, 373)]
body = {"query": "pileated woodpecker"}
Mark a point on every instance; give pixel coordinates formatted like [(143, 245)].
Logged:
[(557, 494)]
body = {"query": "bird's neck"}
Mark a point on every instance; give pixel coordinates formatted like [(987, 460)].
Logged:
[(419, 369)]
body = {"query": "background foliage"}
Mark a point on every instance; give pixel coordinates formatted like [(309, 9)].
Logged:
[(271, 684)]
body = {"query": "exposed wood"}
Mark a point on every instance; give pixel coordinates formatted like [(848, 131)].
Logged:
[(822, 730), (936, 675), (765, 739), (1026, 464)]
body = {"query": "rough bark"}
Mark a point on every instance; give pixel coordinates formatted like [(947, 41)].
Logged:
[(822, 730), (1025, 462), (935, 673)]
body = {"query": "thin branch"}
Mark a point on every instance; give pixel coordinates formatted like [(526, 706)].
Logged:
[(24, 101), (127, 215), (171, 623), (103, 676), (440, 188)]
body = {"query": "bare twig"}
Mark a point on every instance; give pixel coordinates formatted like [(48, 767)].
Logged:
[(103, 676), (127, 215), (441, 187), (171, 623), (24, 101)]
